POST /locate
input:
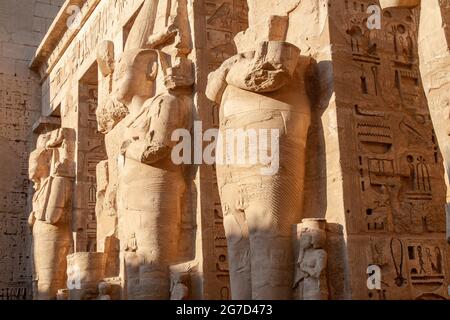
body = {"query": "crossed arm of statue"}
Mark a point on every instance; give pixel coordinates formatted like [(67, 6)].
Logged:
[(157, 143), (48, 169), (312, 266), (31, 220), (160, 38), (315, 269), (267, 69), (56, 139)]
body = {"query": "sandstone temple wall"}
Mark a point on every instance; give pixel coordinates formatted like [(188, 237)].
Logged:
[(23, 24), (368, 179), (378, 125)]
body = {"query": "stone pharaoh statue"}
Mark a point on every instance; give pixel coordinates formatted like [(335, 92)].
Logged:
[(157, 94), (258, 90), (49, 169)]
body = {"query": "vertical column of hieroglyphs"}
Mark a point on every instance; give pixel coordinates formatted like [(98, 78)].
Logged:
[(91, 150), (224, 19), (23, 24), (392, 167)]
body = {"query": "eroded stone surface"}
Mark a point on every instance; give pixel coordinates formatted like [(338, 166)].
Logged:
[(359, 182), (51, 170), (23, 24)]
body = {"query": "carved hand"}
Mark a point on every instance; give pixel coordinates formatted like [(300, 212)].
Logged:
[(299, 277), (156, 40), (125, 145), (145, 152), (31, 220), (55, 140)]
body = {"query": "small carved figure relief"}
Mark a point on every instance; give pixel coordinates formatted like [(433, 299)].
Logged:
[(377, 252), (426, 265), (403, 44), (310, 281), (397, 254), (104, 291)]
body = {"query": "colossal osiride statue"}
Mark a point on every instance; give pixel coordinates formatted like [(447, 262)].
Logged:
[(262, 92), (155, 87), (146, 95), (51, 171)]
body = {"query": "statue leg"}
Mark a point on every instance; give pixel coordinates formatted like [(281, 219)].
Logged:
[(273, 209), (52, 244), (236, 231), (153, 233)]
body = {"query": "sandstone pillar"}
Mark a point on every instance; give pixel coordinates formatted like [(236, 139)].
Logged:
[(372, 155), (434, 36)]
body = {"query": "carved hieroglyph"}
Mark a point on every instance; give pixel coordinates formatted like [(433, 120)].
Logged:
[(390, 163), (433, 48), (51, 171), (261, 89)]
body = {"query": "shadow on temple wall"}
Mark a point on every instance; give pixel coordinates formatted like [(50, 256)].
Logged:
[(319, 86), (320, 93)]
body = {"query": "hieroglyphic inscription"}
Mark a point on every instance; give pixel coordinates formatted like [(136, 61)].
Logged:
[(101, 26), (18, 111), (91, 152), (399, 172)]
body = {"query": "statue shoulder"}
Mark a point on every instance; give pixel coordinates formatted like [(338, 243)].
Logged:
[(171, 103)]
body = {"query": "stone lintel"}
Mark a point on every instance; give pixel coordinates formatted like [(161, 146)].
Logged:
[(59, 36), (46, 123)]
